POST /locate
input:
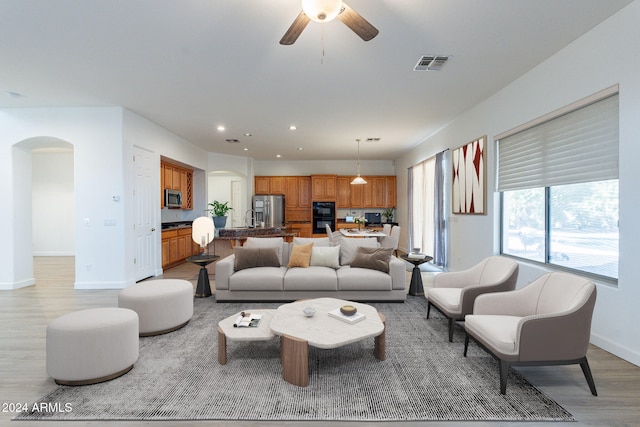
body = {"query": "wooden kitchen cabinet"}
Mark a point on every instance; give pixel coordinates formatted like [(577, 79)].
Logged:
[(302, 229), (292, 192), (343, 192), (379, 192), (261, 184), (390, 192), (324, 187), (304, 192), (175, 177), (297, 198), (269, 185), (177, 245)]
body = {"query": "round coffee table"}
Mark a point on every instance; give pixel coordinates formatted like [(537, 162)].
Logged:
[(298, 332), (227, 331)]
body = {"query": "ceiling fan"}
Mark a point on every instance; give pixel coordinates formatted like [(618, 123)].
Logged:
[(325, 11)]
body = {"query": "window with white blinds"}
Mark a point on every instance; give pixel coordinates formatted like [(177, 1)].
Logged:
[(574, 147)]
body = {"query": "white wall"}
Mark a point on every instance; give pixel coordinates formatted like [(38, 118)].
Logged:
[(571, 74), (103, 141), (141, 132), (53, 203), (96, 136)]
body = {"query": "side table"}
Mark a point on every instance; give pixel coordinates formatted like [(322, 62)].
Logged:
[(203, 289), (416, 288)]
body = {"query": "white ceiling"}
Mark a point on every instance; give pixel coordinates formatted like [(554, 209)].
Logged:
[(191, 65)]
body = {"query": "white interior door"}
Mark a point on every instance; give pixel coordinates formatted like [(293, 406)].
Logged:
[(236, 203), (144, 213)]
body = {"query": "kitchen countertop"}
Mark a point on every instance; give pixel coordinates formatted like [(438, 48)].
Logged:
[(175, 225)]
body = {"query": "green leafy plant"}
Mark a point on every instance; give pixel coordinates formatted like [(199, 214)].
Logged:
[(219, 209), (388, 213)]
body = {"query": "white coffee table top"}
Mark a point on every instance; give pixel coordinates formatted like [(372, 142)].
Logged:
[(321, 330), (262, 332)]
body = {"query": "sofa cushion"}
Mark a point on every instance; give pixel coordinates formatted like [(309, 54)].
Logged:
[(314, 278), (326, 256), (362, 279), (266, 242), (300, 255), (255, 257), (317, 241), (258, 279), (372, 258), (350, 245)]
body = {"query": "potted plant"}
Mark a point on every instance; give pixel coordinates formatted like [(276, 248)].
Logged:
[(219, 212), (388, 214)]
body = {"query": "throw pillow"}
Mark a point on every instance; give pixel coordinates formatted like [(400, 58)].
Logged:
[(255, 257), (300, 256), (372, 258), (326, 256), (266, 242), (350, 245), (317, 241)]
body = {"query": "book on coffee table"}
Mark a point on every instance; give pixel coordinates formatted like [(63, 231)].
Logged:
[(354, 318), (247, 320)]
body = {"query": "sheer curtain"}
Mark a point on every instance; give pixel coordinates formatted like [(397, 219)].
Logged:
[(427, 226)]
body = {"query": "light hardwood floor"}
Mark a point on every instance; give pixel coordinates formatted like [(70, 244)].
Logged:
[(25, 313)]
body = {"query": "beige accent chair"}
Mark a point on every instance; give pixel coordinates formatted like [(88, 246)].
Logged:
[(548, 322), (454, 293), (391, 241)]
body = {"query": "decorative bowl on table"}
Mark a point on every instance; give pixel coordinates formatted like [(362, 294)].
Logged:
[(348, 310), (309, 311)]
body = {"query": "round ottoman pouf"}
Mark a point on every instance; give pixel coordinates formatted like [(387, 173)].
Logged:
[(162, 305), (92, 346)]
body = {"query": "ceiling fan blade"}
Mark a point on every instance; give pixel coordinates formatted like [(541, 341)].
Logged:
[(295, 29), (357, 23)]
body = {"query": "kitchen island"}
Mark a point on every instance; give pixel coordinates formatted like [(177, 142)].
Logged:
[(237, 236)]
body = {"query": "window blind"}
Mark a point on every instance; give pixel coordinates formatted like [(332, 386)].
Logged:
[(578, 146)]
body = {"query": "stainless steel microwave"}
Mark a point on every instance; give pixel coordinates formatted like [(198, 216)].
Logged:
[(172, 198)]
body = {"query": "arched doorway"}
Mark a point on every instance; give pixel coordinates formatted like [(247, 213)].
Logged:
[(45, 201), (232, 187)]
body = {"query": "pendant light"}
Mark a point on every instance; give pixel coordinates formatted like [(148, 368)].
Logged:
[(358, 179)]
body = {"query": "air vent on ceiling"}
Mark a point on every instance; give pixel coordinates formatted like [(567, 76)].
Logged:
[(373, 139), (232, 141), (431, 63)]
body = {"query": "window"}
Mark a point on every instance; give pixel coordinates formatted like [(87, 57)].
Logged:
[(558, 180)]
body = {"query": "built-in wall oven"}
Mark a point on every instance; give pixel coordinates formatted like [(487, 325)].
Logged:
[(324, 213)]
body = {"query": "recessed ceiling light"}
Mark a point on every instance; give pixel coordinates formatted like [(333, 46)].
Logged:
[(300, 148), (245, 149), (278, 155), (292, 127), (247, 134), (220, 128)]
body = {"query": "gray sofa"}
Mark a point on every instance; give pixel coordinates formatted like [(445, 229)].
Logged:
[(288, 284)]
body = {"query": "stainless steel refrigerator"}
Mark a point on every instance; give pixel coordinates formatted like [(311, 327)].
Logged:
[(269, 208)]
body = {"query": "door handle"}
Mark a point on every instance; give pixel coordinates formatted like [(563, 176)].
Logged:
[(153, 229)]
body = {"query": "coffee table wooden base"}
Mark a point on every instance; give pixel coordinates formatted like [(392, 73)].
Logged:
[(294, 356), (222, 347)]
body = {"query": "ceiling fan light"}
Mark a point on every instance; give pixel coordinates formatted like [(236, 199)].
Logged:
[(321, 10), (358, 180)]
